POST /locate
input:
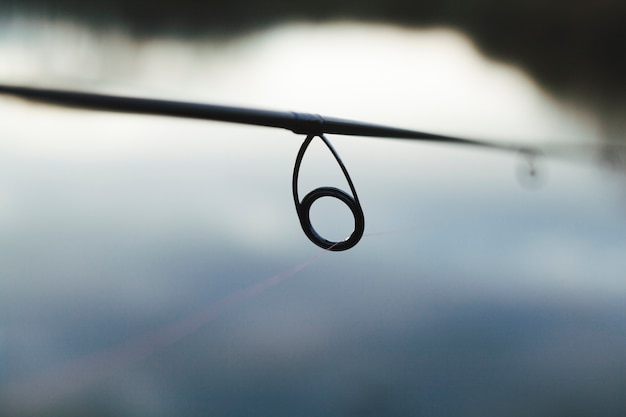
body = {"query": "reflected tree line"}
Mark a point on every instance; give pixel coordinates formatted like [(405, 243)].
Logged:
[(574, 49)]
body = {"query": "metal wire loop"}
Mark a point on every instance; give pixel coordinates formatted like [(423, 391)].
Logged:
[(530, 171), (303, 208)]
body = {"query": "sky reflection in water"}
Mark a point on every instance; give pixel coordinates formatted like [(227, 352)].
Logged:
[(470, 294)]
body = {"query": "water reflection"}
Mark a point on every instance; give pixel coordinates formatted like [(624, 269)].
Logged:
[(468, 295)]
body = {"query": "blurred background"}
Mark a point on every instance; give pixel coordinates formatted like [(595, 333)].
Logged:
[(151, 266)]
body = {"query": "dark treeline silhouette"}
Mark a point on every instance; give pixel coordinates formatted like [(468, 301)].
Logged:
[(574, 49)]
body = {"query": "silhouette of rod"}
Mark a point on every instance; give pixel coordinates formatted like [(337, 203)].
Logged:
[(301, 123)]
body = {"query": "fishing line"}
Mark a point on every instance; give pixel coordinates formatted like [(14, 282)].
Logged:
[(66, 379), (63, 380)]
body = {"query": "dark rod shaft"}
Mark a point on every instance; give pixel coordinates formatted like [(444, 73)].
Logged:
[(302, 123)]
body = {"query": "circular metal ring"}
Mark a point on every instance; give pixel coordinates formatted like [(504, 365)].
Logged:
[(531, 172), (304, 212), (303, 207)]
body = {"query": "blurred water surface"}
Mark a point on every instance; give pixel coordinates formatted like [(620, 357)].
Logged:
[(123, 238)]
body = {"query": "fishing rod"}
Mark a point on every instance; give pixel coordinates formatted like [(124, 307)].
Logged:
[(311, 125)]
